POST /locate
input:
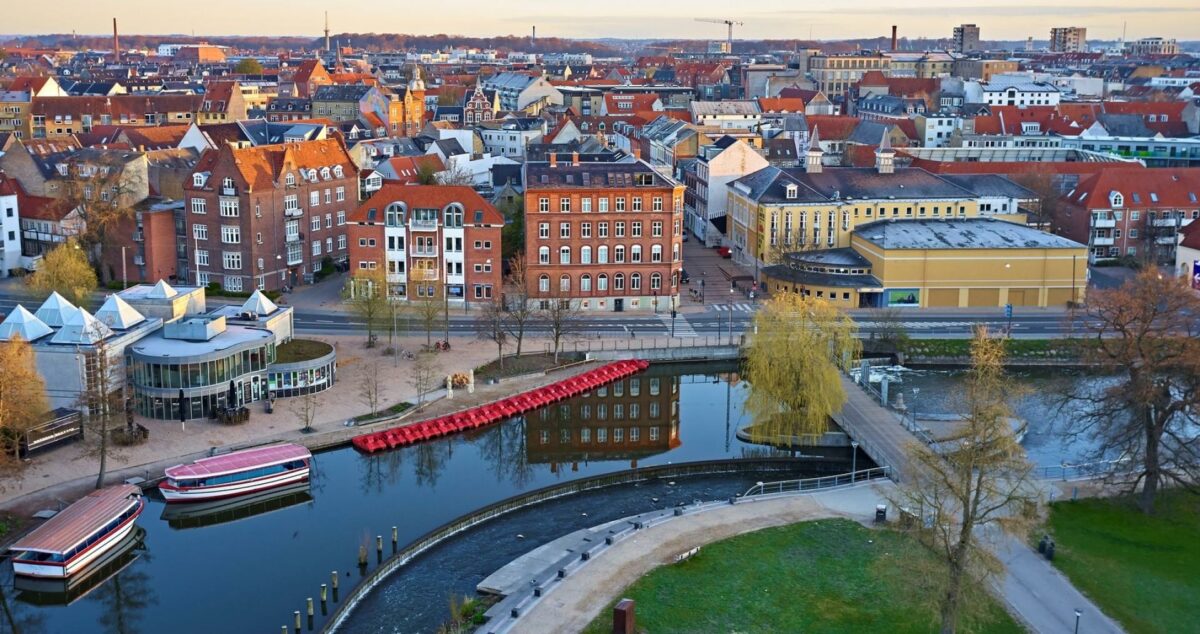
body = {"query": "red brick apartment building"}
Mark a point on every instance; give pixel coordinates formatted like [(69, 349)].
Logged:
[(432, 240), (266, 216), (605, 235)]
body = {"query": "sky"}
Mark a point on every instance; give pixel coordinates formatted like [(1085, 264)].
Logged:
[(764, 19)]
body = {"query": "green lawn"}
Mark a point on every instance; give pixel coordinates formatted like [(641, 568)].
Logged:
[(809, 577), (301, 350), (1142, 571)]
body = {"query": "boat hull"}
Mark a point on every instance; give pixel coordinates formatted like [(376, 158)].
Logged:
[(233, 489), (84, 559)]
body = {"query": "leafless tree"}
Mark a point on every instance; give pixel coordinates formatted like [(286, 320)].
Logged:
[(492, 327), (424, 374), (428, 312), (305, 408), (560, 316), (103, 401), (369, 389), (517, 304)]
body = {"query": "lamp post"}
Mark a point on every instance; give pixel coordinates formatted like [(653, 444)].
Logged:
[(853, 460), (1078, 614), (915, 392), (124, 272), (673, 313), (732, 285)]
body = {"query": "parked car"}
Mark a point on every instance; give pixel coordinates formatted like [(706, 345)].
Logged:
[(725, 252)]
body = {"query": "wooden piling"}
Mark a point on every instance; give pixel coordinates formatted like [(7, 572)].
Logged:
[(362, 556), (310, 607), (297, 614), (324, 592), (379, 544), (395, 538), (333, 577)]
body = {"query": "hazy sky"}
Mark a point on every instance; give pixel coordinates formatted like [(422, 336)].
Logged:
[(1009, 19)]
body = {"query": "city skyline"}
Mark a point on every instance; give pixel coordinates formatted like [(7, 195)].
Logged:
[(771, 19)]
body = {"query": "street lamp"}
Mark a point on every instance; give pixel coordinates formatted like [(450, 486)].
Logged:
[(1077, 615), (915, 392), (853, 460), (732, 285), (673, 313)]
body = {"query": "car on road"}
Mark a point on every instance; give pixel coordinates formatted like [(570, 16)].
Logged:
[(725, 252)]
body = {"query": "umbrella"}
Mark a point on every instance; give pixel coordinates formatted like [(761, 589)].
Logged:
[(182, 407), (232, 395)]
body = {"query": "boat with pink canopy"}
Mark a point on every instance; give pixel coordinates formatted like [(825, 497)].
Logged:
[(237, 473)]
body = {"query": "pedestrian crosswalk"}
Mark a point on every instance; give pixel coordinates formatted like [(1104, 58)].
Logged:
[(683, 328), (740, 307)]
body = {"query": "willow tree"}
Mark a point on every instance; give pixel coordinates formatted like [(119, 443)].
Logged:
[(977, 482), (22, 397), (793, 363), (66, 270)]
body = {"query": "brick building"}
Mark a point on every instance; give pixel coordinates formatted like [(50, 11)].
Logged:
[(605, 235), (432, 240), (266, 216)]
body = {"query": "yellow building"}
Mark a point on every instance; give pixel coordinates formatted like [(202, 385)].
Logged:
[(778, 210), (971, 262)]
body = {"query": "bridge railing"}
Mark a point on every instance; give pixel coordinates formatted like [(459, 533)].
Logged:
[(1082, 471), (813, 484), (635, 344)]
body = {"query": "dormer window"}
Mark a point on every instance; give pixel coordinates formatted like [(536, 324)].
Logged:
[(312, 175), (337, 171), (290, 180), (198, 179), (1116, 199), (324, 173), (227, 183), (791, 191)]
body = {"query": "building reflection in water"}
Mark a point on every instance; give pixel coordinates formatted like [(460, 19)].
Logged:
[(631, 419)]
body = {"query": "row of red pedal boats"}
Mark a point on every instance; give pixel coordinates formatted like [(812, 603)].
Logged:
[(499, 410)]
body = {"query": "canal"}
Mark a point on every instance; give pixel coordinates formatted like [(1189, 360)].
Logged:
[(247, 570)]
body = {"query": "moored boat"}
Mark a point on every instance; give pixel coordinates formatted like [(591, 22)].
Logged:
[(210, 512), (79, 535), (49, 591), (238, 473)]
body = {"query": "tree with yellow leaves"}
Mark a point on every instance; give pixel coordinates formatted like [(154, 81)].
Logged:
[(22, 398), (66, 270), (792, 364)]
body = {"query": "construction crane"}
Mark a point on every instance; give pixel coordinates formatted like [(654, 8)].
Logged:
[(728, 23)]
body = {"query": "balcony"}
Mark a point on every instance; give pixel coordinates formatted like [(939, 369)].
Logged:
[(424, 274), (1103, 223), (423, 225), (418, 252), (294, 212), (1166, 240), (294, 237), (1102, 241), (1167, 222), (228, 191)]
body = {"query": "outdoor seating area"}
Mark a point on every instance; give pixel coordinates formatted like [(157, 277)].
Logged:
[(498, 410)]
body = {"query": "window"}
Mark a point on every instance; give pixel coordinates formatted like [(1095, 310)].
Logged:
[(637, 203), (603, 205), (657, 204), (341, 218), (1133, 233), (656, 229), (635, 282), (328, 196), (586, 204), (564, 230), (198, 179), (620, 203), (316, 247), (603, 229), (314, 198), (544, 230), (602, 282), (564, 283), (585, 230), (619, 253), (233, 282), (602, 254), (544, 284), (328, 221), (656, 253), (290, 180), (232, 260), (229, 207), (291, 203), (543, 255), (620, 230), (585, 283), (564, 255), (635, 253), (341, 194), (227, 183), (585, 255), (231, 235), (564, 204), (201, 257), (543, 205), (199, 206), (655, 281), (619, 282), (636, 229), (1135, 215)]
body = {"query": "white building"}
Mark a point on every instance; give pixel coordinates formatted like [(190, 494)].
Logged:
[(10, 227), (1002, 91), (718, 165), (509, 136), (519, 91), (727, 115)]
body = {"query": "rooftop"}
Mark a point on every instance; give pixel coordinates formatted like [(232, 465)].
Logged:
[(969, 233)]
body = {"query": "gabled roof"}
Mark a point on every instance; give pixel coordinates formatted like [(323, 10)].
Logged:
[(1158, 188), (55, 310), (833, 128), (24, 324), (428, 197), (82, 328), (262, 166), (118, 314), (781, 104)]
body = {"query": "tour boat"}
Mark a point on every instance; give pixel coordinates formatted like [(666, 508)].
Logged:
[(50, 591), (237, 473), (79, 534), (220, 511)]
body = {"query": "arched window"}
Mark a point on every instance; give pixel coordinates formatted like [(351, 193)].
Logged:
[(656, 253), (543, 255), (452, 216), (602, 254), (325, 173), (564, 283), (544, 283), (227, 183), (602, 282), (394, 214), (619, 253), (585, 283), (290, 180), (337, 171), (635, 282), (655, 281), (619, 282), (564, 255), (635, 254), (585, 255)]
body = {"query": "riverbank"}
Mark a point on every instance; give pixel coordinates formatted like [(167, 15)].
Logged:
[(61, 475)]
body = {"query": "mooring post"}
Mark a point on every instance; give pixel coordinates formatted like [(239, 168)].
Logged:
[(297, 615), (379, 547), (324, 592), (395, 538), (310, 607), (362, 556), (333, 578)]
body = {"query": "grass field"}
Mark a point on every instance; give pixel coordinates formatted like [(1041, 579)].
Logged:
[(826, 576), (1144, 571)]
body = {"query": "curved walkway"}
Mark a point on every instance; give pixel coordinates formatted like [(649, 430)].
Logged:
[(571, 604)]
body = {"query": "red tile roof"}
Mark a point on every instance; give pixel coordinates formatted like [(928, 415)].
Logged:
[(408, 168), (1191, 235), (264, 165), (117, 105), (833, 127), (1165, 187), (781, 104)]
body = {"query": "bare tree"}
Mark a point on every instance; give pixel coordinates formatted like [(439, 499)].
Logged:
[(517, 304), (1050, 209), (423, 375), (369, 389), (103, 401), (366, 293), (455, 174), (492, 327), (1144, 334), (305, 408), (889, 329), (560, 316), (978, 481), (104, 188), (428, 313)]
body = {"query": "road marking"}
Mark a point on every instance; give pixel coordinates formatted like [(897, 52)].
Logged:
[(737, 307), (683, 328)]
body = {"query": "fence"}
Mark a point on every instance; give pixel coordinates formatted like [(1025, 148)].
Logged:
[(1083, 471), (475, 518), (812, 484), (639, 344)]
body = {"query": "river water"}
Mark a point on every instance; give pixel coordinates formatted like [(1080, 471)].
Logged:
[(247, 570)]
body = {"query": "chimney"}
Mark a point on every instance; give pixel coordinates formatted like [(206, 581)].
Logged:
[(894, 47), (116, 43), (575, 159), (637, 153), (553, 159)]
